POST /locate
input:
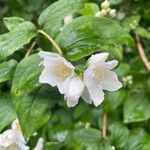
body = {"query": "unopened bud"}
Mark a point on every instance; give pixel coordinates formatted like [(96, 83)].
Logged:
[(68, 19), (103, 12), (112, 13), (105, 4)]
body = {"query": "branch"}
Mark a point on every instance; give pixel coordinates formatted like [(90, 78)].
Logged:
[(141, 52), (51, 40), (30, 49), (104, 126)]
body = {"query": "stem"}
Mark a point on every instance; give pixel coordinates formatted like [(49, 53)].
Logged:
[(141, 52), (51, 40), (30, 49), (104, 126)]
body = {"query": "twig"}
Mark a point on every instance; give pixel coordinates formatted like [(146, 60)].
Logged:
[(104, 126), (141, 52), (30, 49), (51, 40)]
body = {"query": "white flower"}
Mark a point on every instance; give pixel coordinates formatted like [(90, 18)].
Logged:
[(59, 72), (40, 144), (99, 77), (13, 139)]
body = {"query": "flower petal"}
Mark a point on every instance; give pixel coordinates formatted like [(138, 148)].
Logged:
[(112, 64), (44, 55), (48, 77), (98, 58), (86, 97), (62, 87), (74, 91), (109, 81), (95, 91)]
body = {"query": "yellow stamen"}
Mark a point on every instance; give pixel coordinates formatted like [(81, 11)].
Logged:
[(62, 71)]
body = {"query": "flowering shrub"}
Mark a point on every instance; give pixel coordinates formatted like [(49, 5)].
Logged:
[(74, 75)]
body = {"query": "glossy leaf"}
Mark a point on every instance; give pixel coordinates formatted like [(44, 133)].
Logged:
[(7, 70), (7, 114), (52, 18), (12, 22), (16, 39), (31, 100), (87, 34), (137, 107)]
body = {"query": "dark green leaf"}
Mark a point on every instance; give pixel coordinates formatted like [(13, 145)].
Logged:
[(119, 134), (114, 99), (7, 114), (12, 22), (7, 70), (16, 39), (87, 34), (52, 18), (138, 140), (88, 137), (137, 107), (31, 99)]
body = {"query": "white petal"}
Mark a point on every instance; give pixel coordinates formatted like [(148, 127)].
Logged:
[(109, 81), (86, 97), (44, 55), (95, 90), (74, 91), (47, 76), (98, 58), (112, 64), (40, 144), (62, 87)]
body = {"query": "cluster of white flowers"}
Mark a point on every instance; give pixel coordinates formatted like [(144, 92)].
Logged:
[(97, 77), (13, 139), (106, 10)]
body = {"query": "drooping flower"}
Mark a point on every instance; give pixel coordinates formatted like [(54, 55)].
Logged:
[(13, 139), (98, 77), (59, 72)]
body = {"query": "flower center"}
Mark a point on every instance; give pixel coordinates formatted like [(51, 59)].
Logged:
[(12, 147), (62, 71), (98, 73)]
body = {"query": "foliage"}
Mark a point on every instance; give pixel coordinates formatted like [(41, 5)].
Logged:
[(41, 108)]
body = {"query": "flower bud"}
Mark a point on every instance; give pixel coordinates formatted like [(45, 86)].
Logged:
[(105, 4), (112, 13)]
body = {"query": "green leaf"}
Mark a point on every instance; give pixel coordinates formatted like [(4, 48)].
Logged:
[(31, 99), (138, 140), (119, 134), (88, 137), (142, 32), (137, 107), (7, 70), (7, 114), (52, 18), (12, 22), (88, 34), (114, 99), (131, 22), (16, 39), (90, 9)]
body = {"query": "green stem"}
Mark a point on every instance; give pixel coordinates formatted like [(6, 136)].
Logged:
[(51, 40)]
